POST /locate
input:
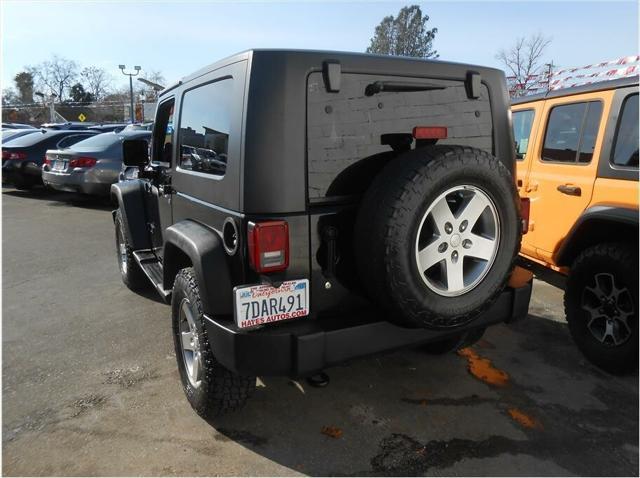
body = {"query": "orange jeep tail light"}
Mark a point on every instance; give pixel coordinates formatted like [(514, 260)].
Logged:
[(525, 206), (268, 246), (430, 132)]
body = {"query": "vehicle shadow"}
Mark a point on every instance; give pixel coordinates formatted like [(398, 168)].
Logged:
[(408, 413), (58, 198)]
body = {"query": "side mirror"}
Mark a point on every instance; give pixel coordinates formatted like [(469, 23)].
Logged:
[(135, 152)]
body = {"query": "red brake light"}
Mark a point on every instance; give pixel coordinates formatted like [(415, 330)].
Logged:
[(268, 246), (47, 161), (17, 155), (82, 162), (430, 132), (525, 207)]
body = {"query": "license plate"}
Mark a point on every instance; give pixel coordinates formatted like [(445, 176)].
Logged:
[(263, 304), (59, 165)]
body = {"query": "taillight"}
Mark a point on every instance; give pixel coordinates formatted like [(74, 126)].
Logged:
[(17, 155), (268, 246), (430, 132), (47, 161), (82, 162), (525, 207)]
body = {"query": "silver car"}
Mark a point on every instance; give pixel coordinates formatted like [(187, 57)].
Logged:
[(89, 166)]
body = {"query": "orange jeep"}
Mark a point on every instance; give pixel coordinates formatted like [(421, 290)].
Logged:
[(577, 152)]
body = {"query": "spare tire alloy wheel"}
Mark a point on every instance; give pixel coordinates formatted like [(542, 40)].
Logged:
[(457, 240), (610, 307), (437, 234)]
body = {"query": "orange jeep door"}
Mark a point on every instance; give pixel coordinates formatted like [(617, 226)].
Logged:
[(563, 168), (525, 122)]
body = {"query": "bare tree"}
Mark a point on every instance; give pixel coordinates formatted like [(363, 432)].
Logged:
[(406, 35), (57, 74), (96, 81), (10, 97), (524, 63), (154, 76)]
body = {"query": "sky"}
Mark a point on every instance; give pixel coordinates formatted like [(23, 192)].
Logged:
[(178, 38)]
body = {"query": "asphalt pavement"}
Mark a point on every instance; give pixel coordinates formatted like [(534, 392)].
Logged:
[(90, 385)]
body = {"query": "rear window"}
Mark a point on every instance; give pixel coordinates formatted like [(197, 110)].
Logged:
[(31, 139), (99, 141), (71, 140), (344, 128), (625, 150), (522, 122)]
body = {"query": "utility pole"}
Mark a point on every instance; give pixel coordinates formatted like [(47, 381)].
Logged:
[(549, 71), (130, 75)]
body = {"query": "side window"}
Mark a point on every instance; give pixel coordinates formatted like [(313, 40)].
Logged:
[(625, 148), (163, 134), (205, 121), (522, 122), (71, 140), (590, 132), (571, 132)]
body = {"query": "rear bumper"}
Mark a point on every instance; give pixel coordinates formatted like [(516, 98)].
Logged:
[(23, 171), (301, 348), (86, 182)]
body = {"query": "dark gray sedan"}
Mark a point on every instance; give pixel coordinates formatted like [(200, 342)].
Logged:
[(90, 166), (22, 157)]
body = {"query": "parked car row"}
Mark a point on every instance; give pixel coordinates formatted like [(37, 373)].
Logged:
[(85, 160)]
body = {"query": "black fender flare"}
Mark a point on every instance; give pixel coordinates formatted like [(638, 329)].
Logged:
[(129, 196), (601, 223), (189, 243)]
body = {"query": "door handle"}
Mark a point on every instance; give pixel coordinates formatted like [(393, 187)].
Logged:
[(570, 190)]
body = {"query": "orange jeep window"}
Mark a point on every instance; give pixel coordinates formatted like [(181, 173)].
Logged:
[(571, 132), (625, 151), (522, 121)]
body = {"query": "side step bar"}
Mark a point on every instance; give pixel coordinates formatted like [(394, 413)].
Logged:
[(152, 268)]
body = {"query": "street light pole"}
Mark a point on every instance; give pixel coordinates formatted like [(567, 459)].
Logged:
[(130, 75), (52, 110)]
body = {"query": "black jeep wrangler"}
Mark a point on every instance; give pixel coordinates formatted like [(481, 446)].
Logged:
[(302, 208)]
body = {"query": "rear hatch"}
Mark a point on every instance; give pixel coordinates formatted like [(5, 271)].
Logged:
[(346, 127)]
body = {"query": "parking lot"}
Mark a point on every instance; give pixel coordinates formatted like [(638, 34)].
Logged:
[(90, 384)]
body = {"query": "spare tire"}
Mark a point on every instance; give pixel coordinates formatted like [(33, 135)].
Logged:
[(437, 234)]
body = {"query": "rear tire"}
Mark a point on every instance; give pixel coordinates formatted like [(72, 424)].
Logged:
[(601, 306), (22, 184), (211, 389), (130, 271), (455, 208)]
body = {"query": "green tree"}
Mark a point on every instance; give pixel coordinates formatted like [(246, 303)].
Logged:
[(79, 95), (405, 35), (24, 85)]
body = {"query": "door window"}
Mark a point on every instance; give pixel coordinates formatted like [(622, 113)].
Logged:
[(163, 134), (571, 132), (522, 122), (625, 149), (205, 123)]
